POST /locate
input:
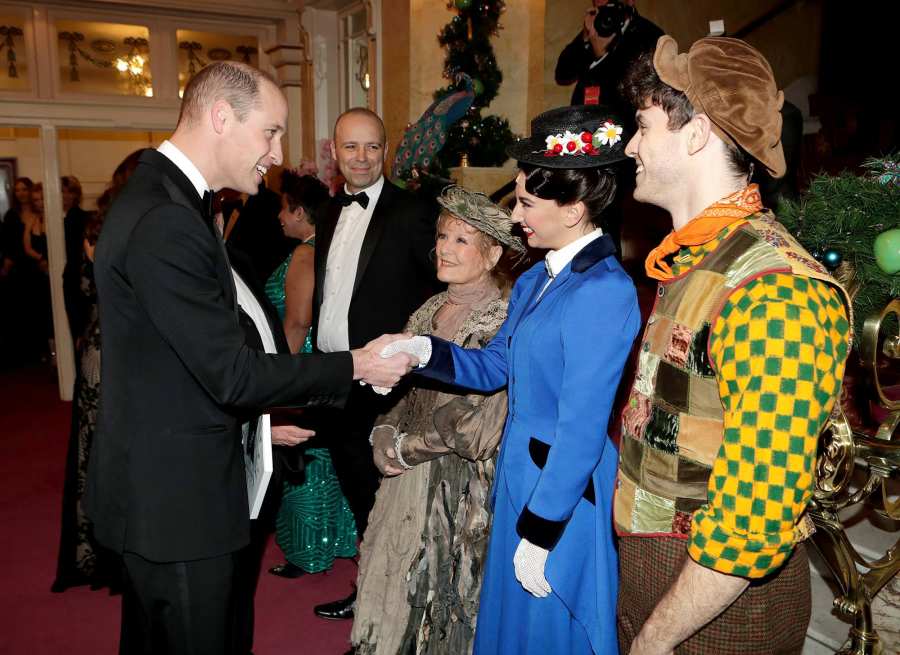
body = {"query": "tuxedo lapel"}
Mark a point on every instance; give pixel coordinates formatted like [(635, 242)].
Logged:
[(179, 186), (379, 218), (182, 192)]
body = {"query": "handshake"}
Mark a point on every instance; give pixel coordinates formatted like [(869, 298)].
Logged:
[(384, 361)]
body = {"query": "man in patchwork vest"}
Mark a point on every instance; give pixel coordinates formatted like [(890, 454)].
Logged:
[(740, 365)]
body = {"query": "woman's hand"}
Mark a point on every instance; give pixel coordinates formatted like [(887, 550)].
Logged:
[(383, 452), (529, 561)]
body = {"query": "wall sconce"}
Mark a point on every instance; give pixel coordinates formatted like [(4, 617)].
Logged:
[(362, 68), (195, 62), (132, 65), (7, 32), (245, 51)]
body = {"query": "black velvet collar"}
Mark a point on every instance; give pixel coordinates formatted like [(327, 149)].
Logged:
[(594, 252)]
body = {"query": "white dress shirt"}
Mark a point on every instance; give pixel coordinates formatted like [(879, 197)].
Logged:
[(185, 165), (340, 271), (254, 310), (556, 260)]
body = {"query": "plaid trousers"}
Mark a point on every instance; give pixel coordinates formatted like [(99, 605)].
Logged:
[(769, 618)]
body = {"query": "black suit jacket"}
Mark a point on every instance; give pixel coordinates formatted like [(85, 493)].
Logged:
[(166, 477), (395, 273)]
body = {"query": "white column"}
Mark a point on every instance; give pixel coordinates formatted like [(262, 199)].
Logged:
[(56, 255), (288, 57)]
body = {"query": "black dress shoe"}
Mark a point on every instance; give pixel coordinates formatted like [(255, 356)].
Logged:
[(337, 610), (287, 570)]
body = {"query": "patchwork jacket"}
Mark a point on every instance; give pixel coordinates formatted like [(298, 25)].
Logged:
[(739, 368)]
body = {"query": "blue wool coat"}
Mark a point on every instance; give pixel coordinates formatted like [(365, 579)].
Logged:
[(561, 356)]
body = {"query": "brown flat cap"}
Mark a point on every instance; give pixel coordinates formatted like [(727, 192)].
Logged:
[(733, 84)]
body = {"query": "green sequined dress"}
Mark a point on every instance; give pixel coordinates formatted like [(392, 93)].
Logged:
[(315, 524)]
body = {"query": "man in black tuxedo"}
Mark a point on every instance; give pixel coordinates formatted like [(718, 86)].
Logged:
[(166, 483), (373, 269)]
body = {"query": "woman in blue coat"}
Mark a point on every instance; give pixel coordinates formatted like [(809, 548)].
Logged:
[(551, 572)]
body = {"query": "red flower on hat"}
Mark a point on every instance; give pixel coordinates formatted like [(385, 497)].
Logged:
[(570, 146), (586, 137)]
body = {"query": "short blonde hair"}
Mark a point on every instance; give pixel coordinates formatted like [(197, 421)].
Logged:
[(235, 82)]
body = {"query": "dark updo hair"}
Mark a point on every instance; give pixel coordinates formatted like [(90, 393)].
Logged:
[(595, 187), (306, 191)]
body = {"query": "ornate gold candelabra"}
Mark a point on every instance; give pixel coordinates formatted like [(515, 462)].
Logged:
[(843, 452)]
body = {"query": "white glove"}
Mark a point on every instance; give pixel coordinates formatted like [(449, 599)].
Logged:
[(529, 561), (418, 347)]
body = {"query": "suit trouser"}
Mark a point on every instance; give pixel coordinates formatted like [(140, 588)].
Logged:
[(178, 608), (249, 562)]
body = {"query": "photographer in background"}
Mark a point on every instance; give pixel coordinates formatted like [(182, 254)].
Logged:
[(613, 35)]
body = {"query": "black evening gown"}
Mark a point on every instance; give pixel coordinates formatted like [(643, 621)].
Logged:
[(81, 560)]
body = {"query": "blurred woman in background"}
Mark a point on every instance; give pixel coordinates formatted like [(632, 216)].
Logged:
[(74, 221), (35, 269), (314, 524)]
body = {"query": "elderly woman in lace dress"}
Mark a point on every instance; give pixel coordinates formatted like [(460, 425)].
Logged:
[(423, 553)]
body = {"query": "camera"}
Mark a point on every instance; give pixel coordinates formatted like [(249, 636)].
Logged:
[(610, 18)]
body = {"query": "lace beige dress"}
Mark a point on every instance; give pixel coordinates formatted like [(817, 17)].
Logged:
[(422, 556)]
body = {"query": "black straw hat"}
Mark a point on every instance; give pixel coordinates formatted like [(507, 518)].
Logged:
[(581, 136)]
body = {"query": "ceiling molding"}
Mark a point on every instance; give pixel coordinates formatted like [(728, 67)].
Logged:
[(256, 10)]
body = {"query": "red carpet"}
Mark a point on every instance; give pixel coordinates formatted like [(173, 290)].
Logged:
[(34, 431)]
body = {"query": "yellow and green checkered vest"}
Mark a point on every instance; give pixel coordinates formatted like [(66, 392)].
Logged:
[(673, 421)]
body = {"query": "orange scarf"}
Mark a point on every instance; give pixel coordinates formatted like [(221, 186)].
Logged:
[(702, 228)]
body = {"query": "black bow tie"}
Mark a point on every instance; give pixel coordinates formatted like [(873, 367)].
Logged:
[(206, 204), (346, 199)]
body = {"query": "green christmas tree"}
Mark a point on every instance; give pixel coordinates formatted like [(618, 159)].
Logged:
[(852, 225), (467, 40)]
